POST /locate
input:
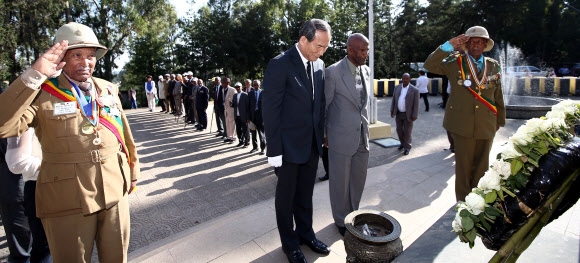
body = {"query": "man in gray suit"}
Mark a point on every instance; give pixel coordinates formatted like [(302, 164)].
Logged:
[(347, 93), (405, 109)]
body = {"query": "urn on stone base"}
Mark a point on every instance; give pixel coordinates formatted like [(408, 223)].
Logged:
[(372, 236)]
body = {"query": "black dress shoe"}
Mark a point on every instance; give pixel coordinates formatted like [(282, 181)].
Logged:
[(296, 256), (261, 152), (323, 178), (400, 148), (240, 144), (246, 145), (341, 230), (317, 246), (254, 150), (219, 135), (452, 150), (406, 152)]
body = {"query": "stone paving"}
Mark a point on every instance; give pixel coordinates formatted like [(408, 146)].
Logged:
[(190, 178)]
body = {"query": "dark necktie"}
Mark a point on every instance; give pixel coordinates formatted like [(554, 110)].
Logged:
[(363, 94), (309, 72)]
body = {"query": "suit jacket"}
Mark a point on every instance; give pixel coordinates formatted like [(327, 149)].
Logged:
[(293, 120), (465, 115), (242, 107), (411, 102), (344, 113), (255, 115), (71, 178), (202, 98)]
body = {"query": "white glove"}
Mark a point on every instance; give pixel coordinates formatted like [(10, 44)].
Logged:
[(275, 161)]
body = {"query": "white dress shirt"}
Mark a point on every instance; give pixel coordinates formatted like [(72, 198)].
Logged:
[(401, 101)]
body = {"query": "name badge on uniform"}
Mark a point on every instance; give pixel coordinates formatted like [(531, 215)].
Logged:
[(62, 108), (115, 112)]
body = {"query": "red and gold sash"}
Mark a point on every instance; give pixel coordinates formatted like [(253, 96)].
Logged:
[(115, 125), (488, 103)]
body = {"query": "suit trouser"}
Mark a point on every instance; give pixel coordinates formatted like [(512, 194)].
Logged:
[(171, 100), (221, 120), (18, 234), (178, 104), (194, 111), (404, 130), (151, 101), (425, 97), (202, 115), (242, 131), (40, 252), (188, 110), (471, 162), (259, 131), (294, 201), (162, 104), (325, 159), (71, 237), (346, 185)]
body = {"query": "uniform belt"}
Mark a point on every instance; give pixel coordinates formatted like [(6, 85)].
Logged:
[(95, 156)]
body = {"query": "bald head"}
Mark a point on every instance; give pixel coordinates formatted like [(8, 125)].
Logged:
[(357, 48)]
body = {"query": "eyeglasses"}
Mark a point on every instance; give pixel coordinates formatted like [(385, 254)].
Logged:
[(476, 42)]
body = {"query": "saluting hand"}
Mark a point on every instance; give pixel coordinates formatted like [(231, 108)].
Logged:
[(51, 61), (458, 41)]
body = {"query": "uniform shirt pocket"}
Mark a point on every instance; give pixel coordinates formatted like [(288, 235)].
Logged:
[(65, 125)]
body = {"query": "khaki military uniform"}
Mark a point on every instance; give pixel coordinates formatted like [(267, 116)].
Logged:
[(81, 192), (471, 123)]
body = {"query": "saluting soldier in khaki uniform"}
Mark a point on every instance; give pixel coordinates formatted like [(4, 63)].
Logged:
[(475, 109), (90, 163)]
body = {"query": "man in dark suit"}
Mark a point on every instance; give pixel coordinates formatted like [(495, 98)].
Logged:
[(241, 105), (219, 109), (405, 110), (293, 112), (256, 117), (18, 235), (201, 101), (347, 91)]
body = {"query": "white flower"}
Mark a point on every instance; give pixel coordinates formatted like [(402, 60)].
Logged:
[(556, 115), (503, 169), (534, 126), (456, 224), (523, 135), (475, 203), (490, 181), (510, 152)]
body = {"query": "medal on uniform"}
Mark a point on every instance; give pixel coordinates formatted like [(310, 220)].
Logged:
[(467, 83), (88, 128), (97, 140), (460, 82)]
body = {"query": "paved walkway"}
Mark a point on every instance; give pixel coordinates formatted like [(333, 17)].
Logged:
[(201, 200)]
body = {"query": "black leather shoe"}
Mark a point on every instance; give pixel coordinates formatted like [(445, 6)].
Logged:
[(323, 178), (341, 230), (400, 148), (254, 150), (316, 246), (452, 150), (261, 152), (296, 256), (406, 152), (240, 144), (219, 134)]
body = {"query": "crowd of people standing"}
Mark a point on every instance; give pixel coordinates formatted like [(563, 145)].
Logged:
[(238, 110)]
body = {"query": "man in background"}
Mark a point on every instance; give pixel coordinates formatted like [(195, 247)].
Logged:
[(405, 110)]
